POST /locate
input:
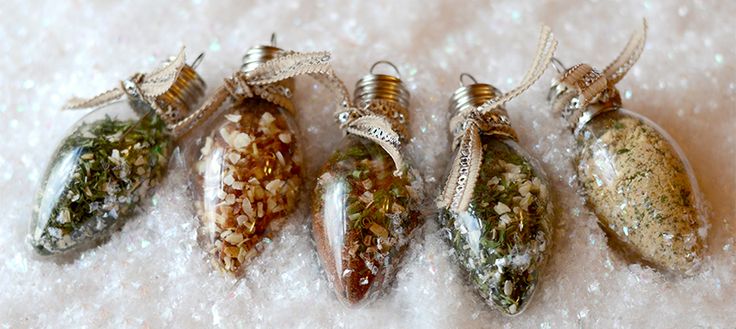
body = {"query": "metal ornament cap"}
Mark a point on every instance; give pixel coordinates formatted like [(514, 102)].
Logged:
[(384, 95), (381, 86), (257, 55), (180, 100), (471, 96)]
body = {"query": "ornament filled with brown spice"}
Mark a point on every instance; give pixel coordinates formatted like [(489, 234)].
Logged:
[(496, 206), (114, 157), (364, 205), (248, 161), (633, 174)]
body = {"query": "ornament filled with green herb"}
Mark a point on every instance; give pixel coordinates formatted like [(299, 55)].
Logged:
[(112, 159), (364, 206), (496, 205), (633, 174)]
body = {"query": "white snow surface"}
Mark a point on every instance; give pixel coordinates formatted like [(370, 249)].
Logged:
[(152, 273)]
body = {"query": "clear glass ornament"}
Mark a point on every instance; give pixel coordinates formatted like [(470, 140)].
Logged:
[(248, 170), (642, 189), (633, 174), (107, 165), (364, 208), (501, 233)]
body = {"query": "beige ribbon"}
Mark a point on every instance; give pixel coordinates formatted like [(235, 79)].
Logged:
[(582, 92), (490, 118), (147, 86), (262, 82), (366, 121)]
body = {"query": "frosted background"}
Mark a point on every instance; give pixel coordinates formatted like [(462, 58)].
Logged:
[(152, 273)]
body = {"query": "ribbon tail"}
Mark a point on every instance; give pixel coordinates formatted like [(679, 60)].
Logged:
[(290, 65), (379, 130), (631, 53), (160, 80), (108, 97), (335, 85), (202, 113), (458, 191), (545, 51)]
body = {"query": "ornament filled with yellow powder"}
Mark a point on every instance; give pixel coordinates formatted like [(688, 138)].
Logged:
[(634, 175)]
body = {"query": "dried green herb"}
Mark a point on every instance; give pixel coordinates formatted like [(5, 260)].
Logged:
[(363, 217), (502, 240), (641, 191), (97, 176)]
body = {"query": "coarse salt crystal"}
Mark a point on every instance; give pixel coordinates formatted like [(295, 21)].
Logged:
[(259, 207), (505, 219), (280, 157), (501, 208), (270, 205), (248, 209), (234, 238), (233, 117), (230, 199), (241, 140), (225, 135), (525, 188), (266, 119), (274, 186), (285, 137), (234, 157), (508, 288), (228, 180)]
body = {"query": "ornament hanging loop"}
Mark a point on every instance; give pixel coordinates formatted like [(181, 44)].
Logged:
[(557, 64), (469, 76), (381, 111), (273, 39), (388, 63), (198, 60)]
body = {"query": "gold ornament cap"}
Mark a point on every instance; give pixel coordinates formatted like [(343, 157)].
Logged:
[(465, 103), (186, 92), (471, 95), (381, 87), (384, 95), (257, 55)]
